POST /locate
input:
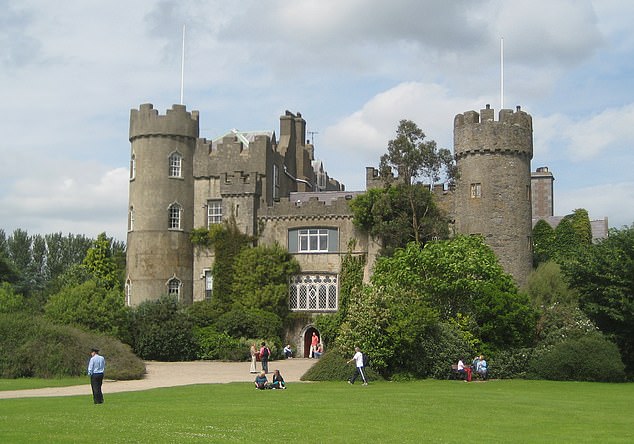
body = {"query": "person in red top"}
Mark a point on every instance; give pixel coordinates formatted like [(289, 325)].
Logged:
[(314, 341)]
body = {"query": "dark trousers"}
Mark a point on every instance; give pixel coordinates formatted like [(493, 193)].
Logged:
[(95, 383), (265, 364), (359, 371)]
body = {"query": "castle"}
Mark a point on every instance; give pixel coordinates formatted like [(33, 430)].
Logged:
[(277, 190)]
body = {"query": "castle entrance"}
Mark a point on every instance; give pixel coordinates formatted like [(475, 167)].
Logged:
[(308, 336)]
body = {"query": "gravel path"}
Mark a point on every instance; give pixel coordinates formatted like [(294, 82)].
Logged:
[(171, 374)]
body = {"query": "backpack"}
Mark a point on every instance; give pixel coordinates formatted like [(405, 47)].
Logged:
[(366, 359), (265, 353)]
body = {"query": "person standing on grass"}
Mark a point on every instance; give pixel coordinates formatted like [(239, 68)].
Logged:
[(360, 369), (96, 368)]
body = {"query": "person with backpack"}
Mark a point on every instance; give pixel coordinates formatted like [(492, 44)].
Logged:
[(360, 359), (265, 352)]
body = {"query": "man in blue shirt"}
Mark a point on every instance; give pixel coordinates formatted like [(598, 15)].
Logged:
[(96, 367)]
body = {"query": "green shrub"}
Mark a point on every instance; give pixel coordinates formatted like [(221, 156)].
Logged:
[(163, 331), (588, 358), (333, 366), (250, 323), (219, 345), (509, 364), (35, 347)]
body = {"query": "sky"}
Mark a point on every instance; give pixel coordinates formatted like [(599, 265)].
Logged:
[(71, 71)]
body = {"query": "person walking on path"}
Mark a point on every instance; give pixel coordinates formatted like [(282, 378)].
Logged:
[(358, 359), (96, 368), (254, 357)]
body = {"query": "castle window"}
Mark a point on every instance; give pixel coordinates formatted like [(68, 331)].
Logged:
[(128, 292), (174, 217), (174, 288), (476, 190), (131, 219), (310, 292), (214, 212), (276, 182), (313, 240), (133, 167), (209, 284), (175, 165)]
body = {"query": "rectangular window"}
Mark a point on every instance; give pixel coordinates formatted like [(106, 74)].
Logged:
[(276, 182), (175, 217), (209, 284), (313, 240), (175, 165), (214, 212), (476, 190)]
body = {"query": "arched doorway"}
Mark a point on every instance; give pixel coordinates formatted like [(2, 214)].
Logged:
[(308, 335)]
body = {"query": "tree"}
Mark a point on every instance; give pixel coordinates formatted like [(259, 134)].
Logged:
[(261, 276), (546, 286), (387, 214), (101, 264), (543, 242), (89, 305), (603, 274), (412, 157), (459, 277)]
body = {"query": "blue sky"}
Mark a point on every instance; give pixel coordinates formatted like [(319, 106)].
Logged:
[(72, 70)]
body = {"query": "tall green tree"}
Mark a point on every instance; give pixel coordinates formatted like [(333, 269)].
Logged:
[(100, 262), (543, 242), (414, 158), (603, 274)]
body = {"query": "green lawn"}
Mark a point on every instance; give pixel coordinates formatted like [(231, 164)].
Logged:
[(424, 411), (35, 383)]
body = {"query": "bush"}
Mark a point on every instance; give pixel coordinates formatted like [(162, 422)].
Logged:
[(332, 366), (440, 350), (250, 323), (35, 347), (219, 345), (588, 358), (163, 331), (509, 364)]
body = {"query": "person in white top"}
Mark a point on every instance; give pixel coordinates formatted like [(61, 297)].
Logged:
[(358, 358)]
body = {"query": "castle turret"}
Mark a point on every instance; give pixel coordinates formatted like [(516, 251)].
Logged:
[(493, 191), (161, 203)]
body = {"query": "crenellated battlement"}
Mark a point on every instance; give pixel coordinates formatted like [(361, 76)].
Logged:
[(312, 209), (177, 121), (479, 133)]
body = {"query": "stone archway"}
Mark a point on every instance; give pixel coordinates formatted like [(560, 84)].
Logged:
[(307, 335)]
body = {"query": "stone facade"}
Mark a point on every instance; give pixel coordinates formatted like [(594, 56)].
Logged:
[(277, 191)]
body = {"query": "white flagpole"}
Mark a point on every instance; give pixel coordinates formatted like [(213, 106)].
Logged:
[(502, 73), (183, 65)]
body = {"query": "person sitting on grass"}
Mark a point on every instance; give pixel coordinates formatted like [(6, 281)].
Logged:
[(261, 382), (278, 380)]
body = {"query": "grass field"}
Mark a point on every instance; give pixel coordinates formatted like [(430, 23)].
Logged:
[(35, 383), (423, 411)]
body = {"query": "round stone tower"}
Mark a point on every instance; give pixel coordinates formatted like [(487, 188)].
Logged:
[(161, 204), (493, 191)]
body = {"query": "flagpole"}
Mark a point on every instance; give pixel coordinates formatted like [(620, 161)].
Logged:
[(183, 65), (502, 73)]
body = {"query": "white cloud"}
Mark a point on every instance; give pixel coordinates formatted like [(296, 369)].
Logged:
[(615, 201)]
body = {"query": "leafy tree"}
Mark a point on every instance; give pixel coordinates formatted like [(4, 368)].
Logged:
[(459, 277), (572, 235), (250, 323), (261, 277), (101, 264), (10, 301), (388, 214), (413, 157), (603, 274), (546, 286), (89, 305), (543, 242)]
